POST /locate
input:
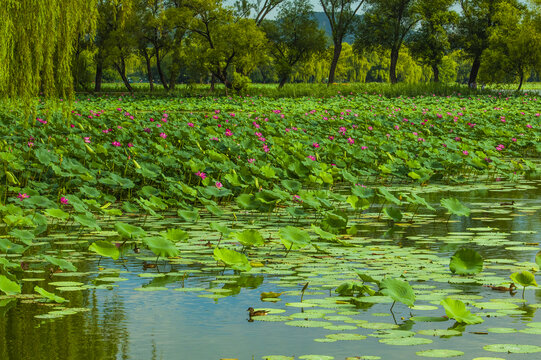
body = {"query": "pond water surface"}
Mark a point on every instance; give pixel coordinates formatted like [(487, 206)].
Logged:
[(193, 308)]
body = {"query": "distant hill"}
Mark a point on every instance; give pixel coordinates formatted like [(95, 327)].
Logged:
[(326, 25)]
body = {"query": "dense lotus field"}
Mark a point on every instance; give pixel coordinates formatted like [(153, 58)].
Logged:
[(131, 175)]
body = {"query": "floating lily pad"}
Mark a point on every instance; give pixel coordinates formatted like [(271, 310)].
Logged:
[(346, 336), (439, 353), (406, 341), (307, 323), (513, 348)]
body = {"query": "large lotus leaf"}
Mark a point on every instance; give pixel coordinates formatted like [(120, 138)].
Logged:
[(388, 196), (9, 287), (175, 235), (466, 261), (223, 229), (105, 248), (456, 309), (362, 192), (393, 213), (61, 263), (87, 220), (189, 215), (249, 237), (455, 207), (524, 278), (398, 290), (247, 202), (293, 186), (294, 238), (57, 214), (23, 236), (161, 246), (334, 221), (129, 231), (233, 259), (421, 201), (46, 157), (538, 259), (8, 246), (323, 234), (49, 295)]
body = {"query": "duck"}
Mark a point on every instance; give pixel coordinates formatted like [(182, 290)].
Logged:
[(253, 312), (511, 287), (511, 203)]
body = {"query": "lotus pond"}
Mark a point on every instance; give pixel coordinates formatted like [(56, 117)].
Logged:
[(362, 227)]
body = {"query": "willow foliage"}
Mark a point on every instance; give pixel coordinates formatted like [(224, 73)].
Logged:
[(37, 41)]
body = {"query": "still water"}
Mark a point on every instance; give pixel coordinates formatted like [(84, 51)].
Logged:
[(197, 310)]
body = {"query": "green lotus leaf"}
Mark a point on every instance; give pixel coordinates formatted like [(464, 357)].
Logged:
[(161, 246), (129, 231), (61, 263), (538, 259), (175, 235), (24, 236), (105, 248), (249, 237), (293, 186), (49, 295), (383, 192), (87, 221), (466, 261), (223, 229), (57, 214), (233, 259), (456, 309), (9, 247), (455, 207), (189, 215), (398, 290), (294, 238), (8, 286), (393, 213), (524, 278)]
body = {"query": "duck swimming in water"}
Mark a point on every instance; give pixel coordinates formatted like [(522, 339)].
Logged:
[(253, 312)]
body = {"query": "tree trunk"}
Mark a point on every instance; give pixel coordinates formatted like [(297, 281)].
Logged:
[(521, 79), (149, 70), (160, 72), (99, 76), (212, 82), (474, 70), (436, 73), (283, 81), (392, 70), (336, 56), (122, 71)]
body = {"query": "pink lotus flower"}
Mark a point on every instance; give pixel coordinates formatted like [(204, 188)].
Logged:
[(116, 143), (30, 144), (163, 135), (191, 124), (202, 175), (228, 132), (64, 200), (251, 161), (465, 152), (23, 196), (311, 157), (351, 141), (316, 145), (130, 145)]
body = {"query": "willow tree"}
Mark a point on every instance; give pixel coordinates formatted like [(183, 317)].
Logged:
[(37, 43)]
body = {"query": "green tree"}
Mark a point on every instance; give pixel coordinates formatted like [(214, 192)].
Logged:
[(114, 39), (223, 42), (514, 45), (341, 15), (37, 44), (385, 26), (473, 30), (294, 37), (430, 43)]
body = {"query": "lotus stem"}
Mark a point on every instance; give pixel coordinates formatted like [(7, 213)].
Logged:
[(391, 309)]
